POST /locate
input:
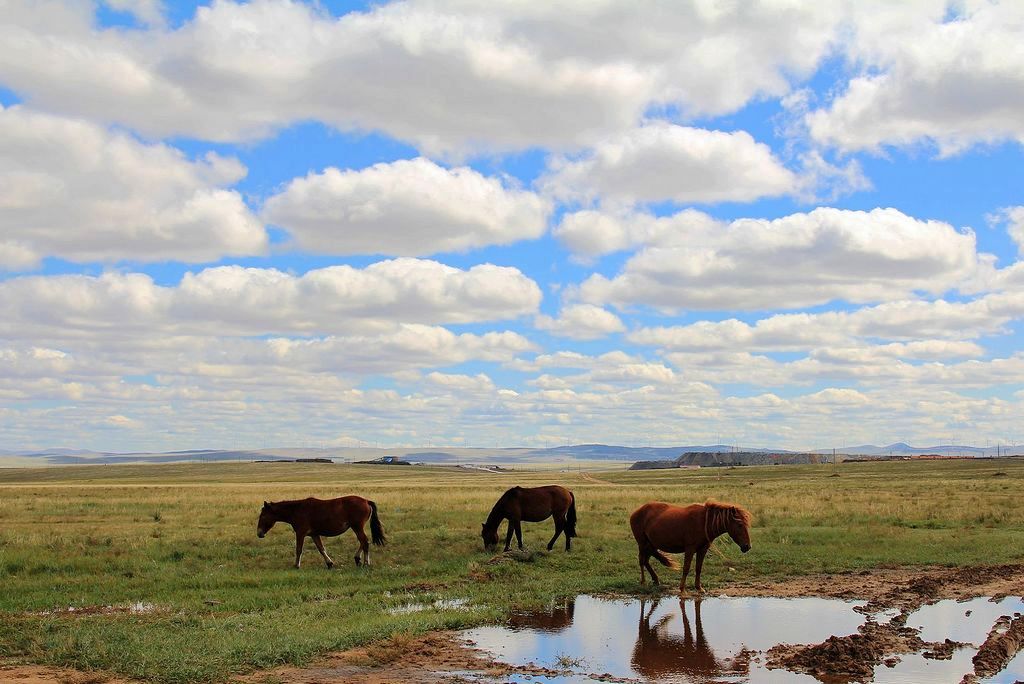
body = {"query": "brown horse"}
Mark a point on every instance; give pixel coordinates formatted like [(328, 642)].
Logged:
[(324, 518), (690, 529), (531, 504)]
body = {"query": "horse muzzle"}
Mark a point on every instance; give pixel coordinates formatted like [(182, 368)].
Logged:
[(261, 534), (746, 548)]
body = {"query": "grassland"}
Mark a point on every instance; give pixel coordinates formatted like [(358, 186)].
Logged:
[(181, 538)]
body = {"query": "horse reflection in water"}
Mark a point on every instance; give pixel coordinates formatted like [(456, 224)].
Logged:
[(659, 654), (551, 621)]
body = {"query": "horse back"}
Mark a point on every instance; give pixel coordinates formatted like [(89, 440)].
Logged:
[(538, 503), (331, 517), (668, 527)]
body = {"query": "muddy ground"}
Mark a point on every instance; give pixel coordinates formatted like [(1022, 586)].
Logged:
[(445, 657)]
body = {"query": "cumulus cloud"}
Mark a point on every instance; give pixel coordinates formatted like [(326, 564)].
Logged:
[(795, 261), (149, 12), (591, 233), (1014, 219), (662, 161), (75, 190), (927, 325), (522, 75), (406, 208), (254, 301), (953, 82), (581, 322)]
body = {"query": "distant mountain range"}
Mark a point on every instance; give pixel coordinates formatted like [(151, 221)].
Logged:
[(466, 455)]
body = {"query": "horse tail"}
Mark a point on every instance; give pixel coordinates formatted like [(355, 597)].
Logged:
[(570, 517), (376, 529), (665, 560)]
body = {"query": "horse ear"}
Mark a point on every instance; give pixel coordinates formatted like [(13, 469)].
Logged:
[(266, 504)]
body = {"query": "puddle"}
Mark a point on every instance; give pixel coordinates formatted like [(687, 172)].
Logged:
[(440, 604), (721, 639), (967, 621)]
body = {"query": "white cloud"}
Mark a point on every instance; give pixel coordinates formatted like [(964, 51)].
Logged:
[(590, 233), (795, 261), (72, 189), (581, 322), (406, 208), (661, 161), (559, 74), (954, 82), (1014, 218), (922, 330), (149, 12), (253, 301)]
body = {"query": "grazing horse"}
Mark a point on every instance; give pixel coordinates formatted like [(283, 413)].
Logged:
[(531, 504), (324, 518), (690, 529)]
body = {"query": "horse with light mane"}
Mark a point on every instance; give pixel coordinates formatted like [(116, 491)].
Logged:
[(660, 527), (318, 518)]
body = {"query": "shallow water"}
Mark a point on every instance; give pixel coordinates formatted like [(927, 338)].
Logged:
[(674, 640)]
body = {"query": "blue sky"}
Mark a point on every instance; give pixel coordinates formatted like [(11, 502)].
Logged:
[(467, 223)]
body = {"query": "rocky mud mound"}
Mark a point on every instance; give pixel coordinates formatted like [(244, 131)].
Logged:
[(856, 656), (1004, 642)]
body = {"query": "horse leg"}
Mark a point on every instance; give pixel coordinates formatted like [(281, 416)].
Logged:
[(519, 534), (299, 539), (650, 569), (508, 535), (559, 526), (701, 552), (686, 570), (364, 545), (642, 560), (320, 547)]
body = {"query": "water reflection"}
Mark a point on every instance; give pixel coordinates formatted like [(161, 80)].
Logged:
[(555, 619), (698, 641), (659, 652)]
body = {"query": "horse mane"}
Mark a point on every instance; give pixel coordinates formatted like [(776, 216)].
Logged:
[(742, 513)]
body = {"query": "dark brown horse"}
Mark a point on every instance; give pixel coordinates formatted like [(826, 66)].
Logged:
[(690, 529), (531, 504), (324, 518)]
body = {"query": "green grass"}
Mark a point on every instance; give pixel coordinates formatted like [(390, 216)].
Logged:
[(182, 538)]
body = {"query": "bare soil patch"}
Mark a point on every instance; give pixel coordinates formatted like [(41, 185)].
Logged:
[(42, 674)]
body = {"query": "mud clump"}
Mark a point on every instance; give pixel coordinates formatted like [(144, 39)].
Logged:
[(943, 650), (925, 587), (1004, 641), (854, 656)]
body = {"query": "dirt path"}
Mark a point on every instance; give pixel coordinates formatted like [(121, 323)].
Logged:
[(587, 477)]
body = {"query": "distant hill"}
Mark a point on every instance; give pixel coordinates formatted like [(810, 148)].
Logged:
[(706, 459), (481, 455)]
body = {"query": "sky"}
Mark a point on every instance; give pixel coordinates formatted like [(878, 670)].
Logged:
[(492, 223)]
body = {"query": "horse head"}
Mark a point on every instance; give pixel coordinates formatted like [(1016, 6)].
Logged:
[(737, 525), (489, 535), (266, 521)]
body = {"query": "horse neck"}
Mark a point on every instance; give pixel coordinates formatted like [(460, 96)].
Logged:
[(285, 511), (714, 522), (497, 513)]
